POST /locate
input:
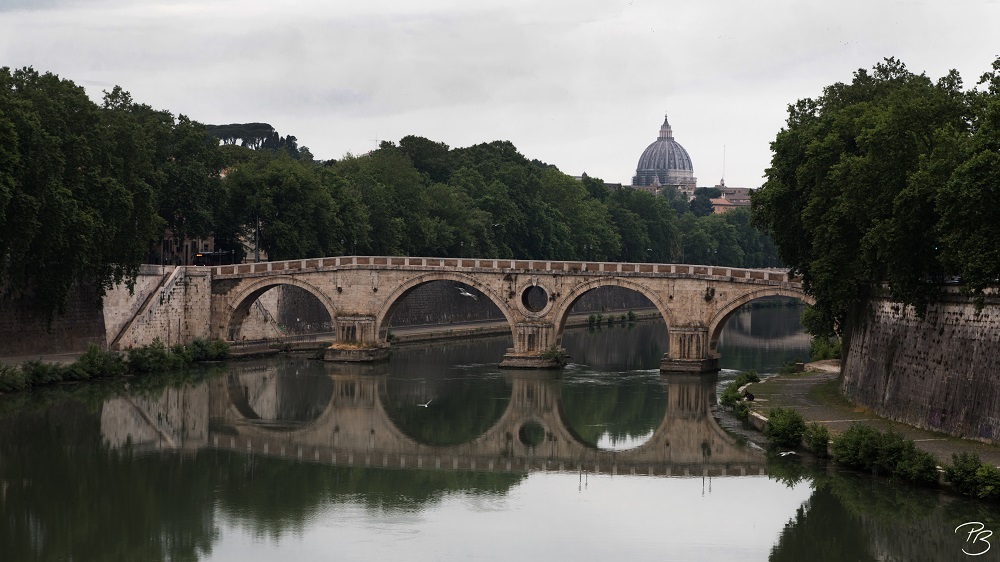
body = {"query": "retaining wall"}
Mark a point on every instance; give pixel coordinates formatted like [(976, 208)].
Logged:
[(940, 372)]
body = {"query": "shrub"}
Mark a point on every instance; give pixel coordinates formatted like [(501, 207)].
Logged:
[(988, 482), (973, 478), (864, 447), (95, 364), (38, 373), (219, 350), (745, 377), (730, 396), (154, 358), (741, 411), (785, 427), (962, 473), (817, 439), (857, 447), (919, 467), (12, 379), (824, 347), (631, 316)]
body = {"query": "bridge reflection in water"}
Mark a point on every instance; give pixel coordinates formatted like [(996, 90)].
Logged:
[(346, 417)]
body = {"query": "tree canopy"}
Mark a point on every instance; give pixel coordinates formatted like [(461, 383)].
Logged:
[(886, 185), (88, 190)]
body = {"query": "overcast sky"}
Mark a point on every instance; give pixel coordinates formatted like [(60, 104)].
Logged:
[(579, 84)]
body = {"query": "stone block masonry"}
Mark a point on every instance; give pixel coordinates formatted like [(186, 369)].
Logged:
[(940, 372), (176, 312)]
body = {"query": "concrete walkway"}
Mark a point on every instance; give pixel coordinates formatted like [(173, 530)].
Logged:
[(815, 394), (63, 358)]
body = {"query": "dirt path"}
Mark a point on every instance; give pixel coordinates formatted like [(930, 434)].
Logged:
[(816, 396)]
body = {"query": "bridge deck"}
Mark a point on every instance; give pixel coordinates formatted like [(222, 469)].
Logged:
[(493, 265)]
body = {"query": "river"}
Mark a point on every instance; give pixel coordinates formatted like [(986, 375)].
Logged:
[(440, 455)]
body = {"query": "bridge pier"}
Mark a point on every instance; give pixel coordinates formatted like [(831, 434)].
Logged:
[(535, 347), (550, 359), (689, 351), (357, 341)]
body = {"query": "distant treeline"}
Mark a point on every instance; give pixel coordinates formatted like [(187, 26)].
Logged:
[(87, 191)]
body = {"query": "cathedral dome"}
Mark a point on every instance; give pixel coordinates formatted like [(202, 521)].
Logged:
[(664, 162)]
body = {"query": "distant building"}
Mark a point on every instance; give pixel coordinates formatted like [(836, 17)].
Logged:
[(738, 196), (665, 163), (732, 198)]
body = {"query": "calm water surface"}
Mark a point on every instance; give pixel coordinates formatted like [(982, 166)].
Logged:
[(439, 455)]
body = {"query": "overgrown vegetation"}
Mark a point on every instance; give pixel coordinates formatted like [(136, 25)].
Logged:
[(824, 347), (972, 477), (556, 355), (817, 439), (886, 453), (97, 364), (731, 396), (785, 427)]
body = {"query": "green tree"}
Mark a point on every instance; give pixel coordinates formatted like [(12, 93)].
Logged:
[(77, 190), (843, 199)]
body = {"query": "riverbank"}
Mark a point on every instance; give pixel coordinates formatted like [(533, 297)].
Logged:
[(815, 394)]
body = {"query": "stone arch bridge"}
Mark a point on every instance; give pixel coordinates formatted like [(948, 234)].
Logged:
[(361, 293)]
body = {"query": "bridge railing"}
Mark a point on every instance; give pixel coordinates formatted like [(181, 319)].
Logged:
[(541, 266)]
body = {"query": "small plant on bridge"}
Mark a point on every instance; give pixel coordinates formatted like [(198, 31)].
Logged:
[(556, 356)]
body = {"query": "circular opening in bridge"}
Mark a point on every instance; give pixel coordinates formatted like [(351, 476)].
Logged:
[(534, 298), (531, 434)]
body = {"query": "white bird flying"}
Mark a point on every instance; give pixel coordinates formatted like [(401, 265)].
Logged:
[(464, 293)]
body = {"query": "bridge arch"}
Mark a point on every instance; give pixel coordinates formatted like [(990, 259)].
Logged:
[(400, 292), (719, 319), (249, 293), (561, 312)]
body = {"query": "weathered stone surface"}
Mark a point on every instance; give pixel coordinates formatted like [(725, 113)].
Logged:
[(941, 372), (361, 294)]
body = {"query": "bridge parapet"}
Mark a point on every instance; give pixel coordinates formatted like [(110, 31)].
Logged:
[(486, 265)]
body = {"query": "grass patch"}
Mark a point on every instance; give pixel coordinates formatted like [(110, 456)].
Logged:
[(828, 393)]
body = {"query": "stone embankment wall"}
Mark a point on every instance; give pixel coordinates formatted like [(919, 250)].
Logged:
[(23, 332), (171, 312), (121, 305), (940, 372)]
